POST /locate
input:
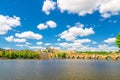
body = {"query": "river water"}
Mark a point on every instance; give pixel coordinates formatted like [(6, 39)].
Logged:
[(66, 69)]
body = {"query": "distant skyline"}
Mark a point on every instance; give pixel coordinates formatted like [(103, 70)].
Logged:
[(84, 25)]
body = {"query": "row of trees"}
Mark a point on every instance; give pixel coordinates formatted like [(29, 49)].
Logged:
[(93, 52), (25, 54), (60, 55)]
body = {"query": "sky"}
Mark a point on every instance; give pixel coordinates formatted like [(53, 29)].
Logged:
[(83, 25)]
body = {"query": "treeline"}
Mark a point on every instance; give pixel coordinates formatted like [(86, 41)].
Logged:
[(60, 55), (92, 52), (24, 54)]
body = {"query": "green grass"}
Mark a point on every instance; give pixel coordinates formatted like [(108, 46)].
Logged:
[(90, 53)]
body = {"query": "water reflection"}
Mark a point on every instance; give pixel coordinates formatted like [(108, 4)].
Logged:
[(68, 69)]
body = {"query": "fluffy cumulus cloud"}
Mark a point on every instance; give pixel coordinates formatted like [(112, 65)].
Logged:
[(27, 43), (101, 47), (48, 44), (106, 8), (109, 8), (50, 24), (86, 47), (64, 45), (76, 31), (9, 39), (48, 5), (105, 47), (35, 47), (42, 26), (74, 45), (7, 23), (19, 40), (70, 45), (29, 35), (82, 41), (12, 39), (21, 45), (81, 7), (39, 43), (110, 40)]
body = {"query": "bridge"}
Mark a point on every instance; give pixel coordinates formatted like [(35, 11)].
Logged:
[(93, 56), (74, 55)]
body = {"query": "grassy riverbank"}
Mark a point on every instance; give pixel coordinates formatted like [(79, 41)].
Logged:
[(29, 54), (24, 54)]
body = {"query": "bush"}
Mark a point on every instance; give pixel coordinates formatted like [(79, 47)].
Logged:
[(25, 54), (61, 55), (1, 53)]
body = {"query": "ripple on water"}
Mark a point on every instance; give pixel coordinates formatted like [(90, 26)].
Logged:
[(65, 69)]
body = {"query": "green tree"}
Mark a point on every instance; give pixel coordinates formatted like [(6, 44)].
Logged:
[(1, 53), (7, 54), (61, 55), (118, 41)]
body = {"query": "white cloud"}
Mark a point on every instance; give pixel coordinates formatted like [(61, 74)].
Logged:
[(33, 47), (12, 39), (64, 45), (48, 6), (48, 44), (9, 39), (105, 47), (94, 42), (83, 47), (7, 23), (109, 8), (68, 26), (110, 40), (82, 41), (58, 39), (80, 7), (7, 48), (19, 40), (39, 43), (42, 26), (54, 47), (21, 45), (36, 47), (105, 15), (102, 47), (27, 43), (106, 8), (76, 31), (71, 46), (49, 23), (76, 44), (29, 35)]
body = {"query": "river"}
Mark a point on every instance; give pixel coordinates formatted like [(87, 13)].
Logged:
[(64, 69)]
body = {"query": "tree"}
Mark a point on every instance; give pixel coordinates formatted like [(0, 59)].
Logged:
[(61, 55), (1, 53), (118, 41)]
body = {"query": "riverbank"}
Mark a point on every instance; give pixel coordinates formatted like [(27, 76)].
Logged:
[(43, 55)]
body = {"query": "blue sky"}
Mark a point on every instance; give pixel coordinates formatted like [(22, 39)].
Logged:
[(60, 24)]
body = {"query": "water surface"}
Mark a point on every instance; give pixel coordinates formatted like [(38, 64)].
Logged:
[(68, 69)]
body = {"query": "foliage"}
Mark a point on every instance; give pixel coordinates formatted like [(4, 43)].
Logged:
[(25, 54), (60, 55), (90, 52), (118, 40), (2, 49), (1, 53)]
